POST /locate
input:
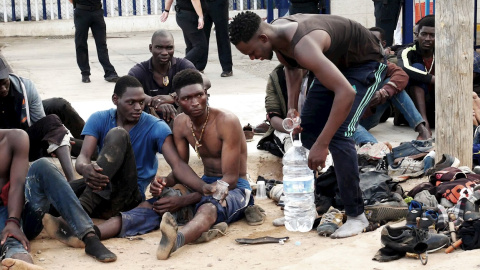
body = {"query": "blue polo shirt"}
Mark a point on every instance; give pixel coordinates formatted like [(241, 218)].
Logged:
[(146, 137)]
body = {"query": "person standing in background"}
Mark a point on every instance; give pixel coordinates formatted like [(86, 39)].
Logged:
[(89, 14), (189, 15), (217, 13)]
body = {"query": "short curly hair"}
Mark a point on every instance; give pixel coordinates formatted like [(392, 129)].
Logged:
[(244, 26), (124, 82), (186, 77)]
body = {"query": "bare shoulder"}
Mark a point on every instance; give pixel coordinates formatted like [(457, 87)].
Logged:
[(14, 138), (225, 117), (180, 124)]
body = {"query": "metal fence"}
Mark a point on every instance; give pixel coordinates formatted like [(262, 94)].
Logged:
[(37, 10)]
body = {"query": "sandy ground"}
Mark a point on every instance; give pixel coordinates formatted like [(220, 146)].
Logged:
[(39, 58)]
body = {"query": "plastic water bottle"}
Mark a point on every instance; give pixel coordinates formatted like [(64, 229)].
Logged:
[(298, 187)]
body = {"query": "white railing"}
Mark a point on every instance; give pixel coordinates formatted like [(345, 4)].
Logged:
[(37, 10)]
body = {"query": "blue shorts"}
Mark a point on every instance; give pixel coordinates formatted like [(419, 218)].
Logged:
[(141, 220), (237, 201)]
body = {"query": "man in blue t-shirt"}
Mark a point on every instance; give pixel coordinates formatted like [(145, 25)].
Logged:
[(128, 140)]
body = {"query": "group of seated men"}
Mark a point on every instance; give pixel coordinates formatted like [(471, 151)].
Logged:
[(117, 161)]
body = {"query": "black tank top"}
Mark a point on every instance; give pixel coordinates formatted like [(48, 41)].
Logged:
[(351, 43)]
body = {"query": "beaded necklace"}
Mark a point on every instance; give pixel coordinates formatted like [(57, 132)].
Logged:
[(197, 142)]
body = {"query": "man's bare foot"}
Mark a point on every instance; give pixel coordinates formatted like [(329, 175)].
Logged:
[(353, 226), (423, 132), (14, 264), (169, 228), (58, 229)]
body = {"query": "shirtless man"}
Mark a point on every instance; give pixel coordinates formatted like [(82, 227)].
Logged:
[(346, 60), (218, 139), (14, 147)]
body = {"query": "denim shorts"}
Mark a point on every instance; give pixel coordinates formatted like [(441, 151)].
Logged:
[(141, 220), (237, 201)]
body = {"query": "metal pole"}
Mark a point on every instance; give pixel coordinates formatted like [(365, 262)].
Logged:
[(5, 8), (269, 11), (104, 8), (67, 9), (29, 10), (407, 21), (120, 8), (14, 18), (21, 11), (149, 8), (134, 7), (37, 17), (59, 8)]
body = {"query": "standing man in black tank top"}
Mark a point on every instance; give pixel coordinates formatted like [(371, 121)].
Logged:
[(347, 62)]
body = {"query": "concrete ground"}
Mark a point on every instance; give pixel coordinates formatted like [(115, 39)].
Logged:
[(50, 63)]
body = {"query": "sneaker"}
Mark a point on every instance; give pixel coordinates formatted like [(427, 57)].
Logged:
[(112, 78), (446, 161), (384, 212), (428, 221), (278, 222), (261, 128), (408, 167), (414, 211), (248, 131), (227, 74), (255, 215), (414, 240), (85, 78), (382, 166), (276, 192), (330, 222)]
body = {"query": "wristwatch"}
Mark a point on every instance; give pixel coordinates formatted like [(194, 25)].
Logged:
[(173, 95)]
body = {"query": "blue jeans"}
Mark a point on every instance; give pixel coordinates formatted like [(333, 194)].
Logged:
[(402, 102), (46, 186), (12, 246)]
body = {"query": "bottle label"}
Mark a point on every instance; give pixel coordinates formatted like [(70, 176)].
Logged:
[(299, 185)]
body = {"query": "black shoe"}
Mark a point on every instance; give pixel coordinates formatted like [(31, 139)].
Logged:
[(227, 74), (112, 78), (414, 240), (85, 78)]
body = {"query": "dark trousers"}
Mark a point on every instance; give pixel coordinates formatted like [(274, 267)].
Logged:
[(118, 162), (67, 114), (70, 118), (316, 110), (84, 20), (197, 46), (217, 14), (386, 16)]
